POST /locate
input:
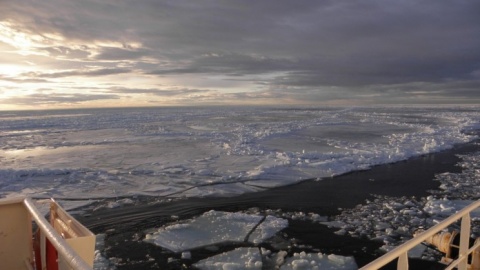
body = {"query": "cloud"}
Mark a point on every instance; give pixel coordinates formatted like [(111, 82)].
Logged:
[(80, 53), (83, 73), (232, 64), (109, 53), (203, 96), (21, 80), (158, 92), (374, 48), (52, 99)]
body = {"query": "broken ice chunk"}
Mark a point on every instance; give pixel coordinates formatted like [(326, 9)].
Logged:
[(215, 227), (445, 208), (240, 258), (268, 228), (319, 261)]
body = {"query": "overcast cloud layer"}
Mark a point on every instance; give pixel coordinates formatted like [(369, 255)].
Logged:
[(56, 53)]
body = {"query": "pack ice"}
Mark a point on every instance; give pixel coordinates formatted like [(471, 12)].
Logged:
[(218, 227), (198, 152)]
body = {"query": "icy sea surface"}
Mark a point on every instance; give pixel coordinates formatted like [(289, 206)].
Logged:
[(118, 155), (198, 152)]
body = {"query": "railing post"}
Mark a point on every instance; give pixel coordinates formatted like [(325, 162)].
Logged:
[(464, 242), (402, 263)]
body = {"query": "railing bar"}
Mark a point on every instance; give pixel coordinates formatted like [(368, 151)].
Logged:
[(457, 261), (70, 256), (470, 250), (395, 253), (454, 263)]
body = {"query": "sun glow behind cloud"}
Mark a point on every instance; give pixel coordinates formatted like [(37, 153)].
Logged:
[(27, 84), (14, 38), (83, 74), (26, 43)]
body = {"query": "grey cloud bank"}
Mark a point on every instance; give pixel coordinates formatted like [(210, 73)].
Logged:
[(325, 52)]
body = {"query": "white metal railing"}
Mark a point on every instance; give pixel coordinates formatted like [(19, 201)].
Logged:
[(71, 258), (401, 252)]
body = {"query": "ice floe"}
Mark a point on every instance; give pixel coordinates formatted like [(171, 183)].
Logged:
[(253, 258), (319, 261), (216, 227), (237, 259), (220, 228)]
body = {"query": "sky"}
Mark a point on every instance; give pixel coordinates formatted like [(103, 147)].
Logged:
[(57, 54)]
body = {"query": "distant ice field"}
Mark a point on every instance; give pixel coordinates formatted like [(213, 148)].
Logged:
[(217, 151)]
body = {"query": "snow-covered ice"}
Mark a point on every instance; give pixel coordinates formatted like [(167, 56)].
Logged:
[(318, 261), (267, 228), (446, 208), (237, 259), (216, 227), (176, 152), (251, 258)]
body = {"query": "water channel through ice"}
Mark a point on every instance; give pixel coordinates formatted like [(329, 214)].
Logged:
[(95, 154)]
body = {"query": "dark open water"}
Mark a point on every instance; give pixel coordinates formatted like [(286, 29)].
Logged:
[(125, 226)]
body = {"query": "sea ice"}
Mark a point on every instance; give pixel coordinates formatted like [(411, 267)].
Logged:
[(268, 228), (237, 259), (215, 227), (179, 151), (217, 152), (393, 220), (251, 258), (445, 208), (314, 261)]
